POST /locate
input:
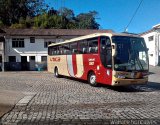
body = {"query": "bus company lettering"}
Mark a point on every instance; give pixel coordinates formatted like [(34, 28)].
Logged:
[(55, 59), (91, 61)]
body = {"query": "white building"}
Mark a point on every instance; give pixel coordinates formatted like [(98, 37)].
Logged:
[(2, 49), (26, 49), (152, 39)]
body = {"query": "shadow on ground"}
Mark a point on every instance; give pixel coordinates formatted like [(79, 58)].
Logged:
[(149, 87), (150, 73)]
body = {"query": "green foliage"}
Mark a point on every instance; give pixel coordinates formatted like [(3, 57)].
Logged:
[(87, 20), (67, 13), (22, 21), (36, 14), (1, 24), (29, 22), (13, 10), (17, 26)]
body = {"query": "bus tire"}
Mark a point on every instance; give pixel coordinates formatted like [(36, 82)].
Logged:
[(56, 74), (92, 79)]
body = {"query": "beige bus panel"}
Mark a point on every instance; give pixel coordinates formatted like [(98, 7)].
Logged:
[(61, 65), (80, 67)]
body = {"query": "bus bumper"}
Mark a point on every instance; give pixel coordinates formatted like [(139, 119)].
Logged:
[(123, 82)]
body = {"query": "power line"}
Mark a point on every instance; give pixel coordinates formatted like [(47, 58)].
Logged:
[(133, 16)]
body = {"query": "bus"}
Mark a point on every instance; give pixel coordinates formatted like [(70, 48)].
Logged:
[(115, 59)]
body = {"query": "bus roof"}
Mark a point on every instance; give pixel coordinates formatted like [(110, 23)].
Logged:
[(94, 35)]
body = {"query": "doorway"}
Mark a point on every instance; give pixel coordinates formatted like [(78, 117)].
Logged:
[(32, 62), (24, 64)]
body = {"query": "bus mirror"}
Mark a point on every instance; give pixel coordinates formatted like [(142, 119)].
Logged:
[(113, 49), (147, 49), (113, 46)]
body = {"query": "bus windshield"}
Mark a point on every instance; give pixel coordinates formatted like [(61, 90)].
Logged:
[(131, 54)]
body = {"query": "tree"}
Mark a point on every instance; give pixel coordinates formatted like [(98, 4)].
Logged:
[(57, 22), (87, 20), (12, 10), (29, 22), (67, 13), (1, 24), (52, 12), (35, 7), (35, 13)]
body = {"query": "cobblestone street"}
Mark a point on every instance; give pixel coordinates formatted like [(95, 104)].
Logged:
[(50, 100)]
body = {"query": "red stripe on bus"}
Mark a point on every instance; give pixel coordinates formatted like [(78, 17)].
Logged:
[(74, 62)]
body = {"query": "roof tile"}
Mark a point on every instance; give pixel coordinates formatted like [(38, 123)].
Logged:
[(53, 32)]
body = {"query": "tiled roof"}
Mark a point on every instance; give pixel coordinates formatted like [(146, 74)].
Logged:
[(151, 30), (53, 32)]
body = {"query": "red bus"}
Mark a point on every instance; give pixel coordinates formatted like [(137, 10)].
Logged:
[(107, 58)]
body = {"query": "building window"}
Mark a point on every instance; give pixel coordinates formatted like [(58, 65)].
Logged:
[(18, 42), (150, 38), (32, 57), (151, 54), (32, 39), (47, 43), (43, 58)]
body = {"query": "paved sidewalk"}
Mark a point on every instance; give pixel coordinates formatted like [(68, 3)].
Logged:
[(8, 99)]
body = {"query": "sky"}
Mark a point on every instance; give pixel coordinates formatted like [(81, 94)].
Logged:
[(116, 14)]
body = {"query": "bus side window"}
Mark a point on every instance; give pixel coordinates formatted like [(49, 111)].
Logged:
[(58, 51), (83, 47), (93, 45), (54, 49), (74, 48), (66, 49), (61, 50)]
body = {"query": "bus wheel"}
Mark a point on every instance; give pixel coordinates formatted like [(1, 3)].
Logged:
[(56, 72), (92, 79)]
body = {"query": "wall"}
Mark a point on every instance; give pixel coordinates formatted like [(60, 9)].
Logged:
[(151, 45), (30, 49), (2, 55), (36, 49)]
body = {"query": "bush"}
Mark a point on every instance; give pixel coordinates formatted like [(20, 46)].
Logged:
[(1, 23), (17, 26)]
